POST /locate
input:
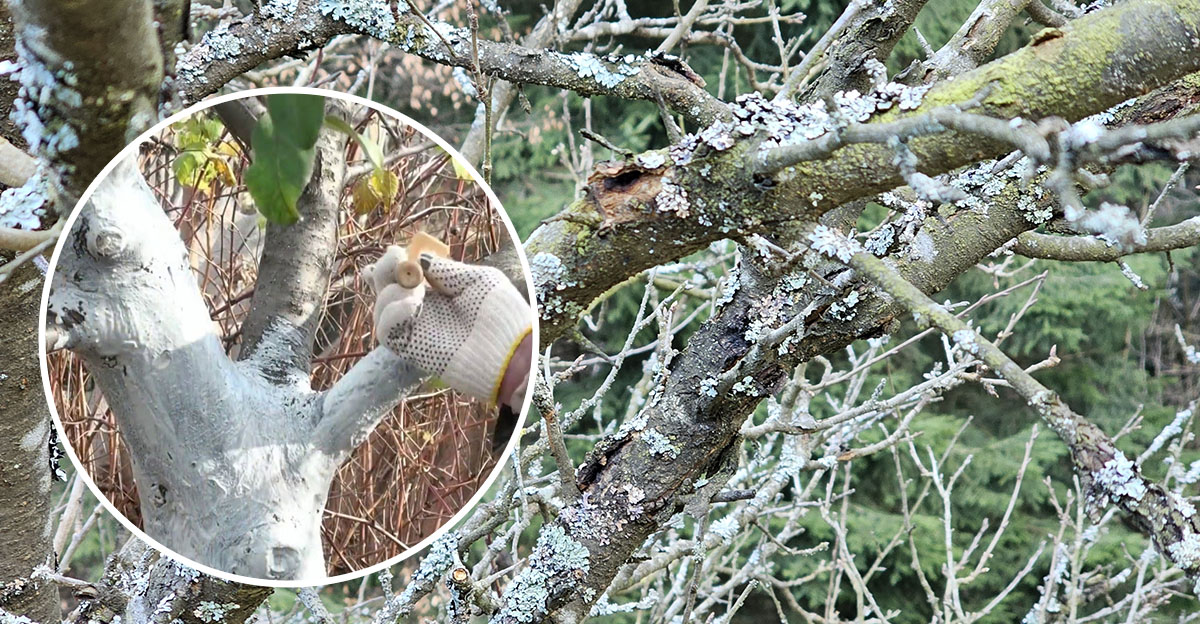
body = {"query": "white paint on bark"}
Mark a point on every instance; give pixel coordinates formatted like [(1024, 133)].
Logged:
[(233, 463)]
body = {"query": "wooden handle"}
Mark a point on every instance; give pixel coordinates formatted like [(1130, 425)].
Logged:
[(409, 274), (422, 242)]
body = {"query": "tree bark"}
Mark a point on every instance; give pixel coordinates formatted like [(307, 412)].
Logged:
[(90, 78), (25, 474), (632, 483)]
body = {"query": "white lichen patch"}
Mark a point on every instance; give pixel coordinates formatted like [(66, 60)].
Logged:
[(672, 198), (1169, 432), (209, 611), (279, 9), (922, 248), (366, 16), (982, 184), (745, 385), (967, 339), (844, 309), (1186, 552), (439, 559), (726, 528), (547, 272), (45, 95), (787, 123), (651, 160), (558, 563), (607, 72), (1118, 478), (465, 82), (549, 277), (659, 444), (827, 241)]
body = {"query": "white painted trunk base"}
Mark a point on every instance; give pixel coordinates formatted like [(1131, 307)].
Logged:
[(233, 460)]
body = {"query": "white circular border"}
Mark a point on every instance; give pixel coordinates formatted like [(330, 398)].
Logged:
[(42, 354)]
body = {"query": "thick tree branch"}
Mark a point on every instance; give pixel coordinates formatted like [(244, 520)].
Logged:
[(227, 52), (293, 272), (873, 34), (233, 460), (701, 426), (90, 76), (975, 40), (1147, 42), (141, 585), (356, 403), (25, 473)]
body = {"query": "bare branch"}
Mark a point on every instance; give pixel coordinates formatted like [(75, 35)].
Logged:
[(1108, 476), (1096, 249), (15, 165)]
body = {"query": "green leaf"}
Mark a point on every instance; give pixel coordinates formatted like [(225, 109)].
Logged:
[(187, 168), (379, 189), (298, 116), (340, 125), (371, 148), (461, 169), (280, 170)]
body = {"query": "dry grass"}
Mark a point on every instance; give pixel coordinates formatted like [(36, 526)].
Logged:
[(426, 459)]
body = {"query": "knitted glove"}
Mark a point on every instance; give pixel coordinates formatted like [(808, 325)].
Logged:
[(464, 327)]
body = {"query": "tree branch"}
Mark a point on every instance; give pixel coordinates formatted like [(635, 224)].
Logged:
[(69, 51), (701, 426), (15, 165), (227, 52), (1108, 476), (975, 40), (25, 502), (297, 259), (504, 92), (356, 403), (1156, 41), (1095, 249), (874, 33)]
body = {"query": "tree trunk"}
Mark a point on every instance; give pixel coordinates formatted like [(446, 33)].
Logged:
[(233, 459), (25, 526)]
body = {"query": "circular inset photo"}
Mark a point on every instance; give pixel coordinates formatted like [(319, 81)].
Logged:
[(288, 336)]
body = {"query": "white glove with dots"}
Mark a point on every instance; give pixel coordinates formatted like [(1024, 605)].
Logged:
[(462, 322)]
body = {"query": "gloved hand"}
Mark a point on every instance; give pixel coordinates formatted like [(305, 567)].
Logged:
[(466, 327)]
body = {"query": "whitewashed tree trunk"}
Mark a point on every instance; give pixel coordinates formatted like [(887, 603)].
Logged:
[(233, 460)]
